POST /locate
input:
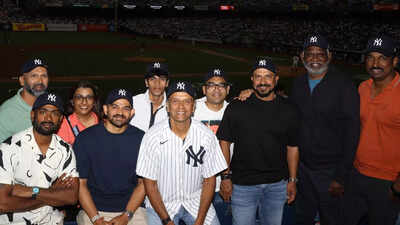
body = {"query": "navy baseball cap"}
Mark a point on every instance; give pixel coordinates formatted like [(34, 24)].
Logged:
[(32, 64), (119, 93), (49, 99), (316, 40), (216, 72), (156, 68), (382, 44), (265, 63), (181, 86)]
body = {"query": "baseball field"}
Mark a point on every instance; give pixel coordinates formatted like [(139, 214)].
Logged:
[(113, 60)]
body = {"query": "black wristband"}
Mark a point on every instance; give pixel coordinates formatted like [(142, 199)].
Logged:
[(395, 193), (226, 176), (166, 221)]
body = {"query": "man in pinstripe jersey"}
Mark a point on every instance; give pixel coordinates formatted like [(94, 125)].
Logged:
[(178, 160)]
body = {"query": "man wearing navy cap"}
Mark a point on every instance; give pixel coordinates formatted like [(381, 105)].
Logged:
[(107, 154), (37, 169), (262, 174), (328, 103), (15, 112), (209, 110), (374, 185), (150, 106), (179, 159)]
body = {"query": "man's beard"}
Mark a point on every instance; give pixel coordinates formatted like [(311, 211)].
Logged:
[(323, 68), (38, 127), (32, 90), (264, 95), (119, 125)]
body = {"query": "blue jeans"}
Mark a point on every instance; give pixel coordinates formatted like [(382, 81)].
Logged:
[(268, 199), (185, 216), (224, 210)]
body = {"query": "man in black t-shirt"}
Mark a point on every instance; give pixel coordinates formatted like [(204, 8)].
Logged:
[(107, 153), (265, 154)]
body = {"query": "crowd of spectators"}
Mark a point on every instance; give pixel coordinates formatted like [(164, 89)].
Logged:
[(346, 34), (283, 34)]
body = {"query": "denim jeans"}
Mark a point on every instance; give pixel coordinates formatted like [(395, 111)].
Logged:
[(223, 209), (185, 216), (268, 199)]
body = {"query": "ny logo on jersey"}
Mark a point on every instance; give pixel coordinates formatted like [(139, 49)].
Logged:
[(313, 39), (262, 62), (197, 158), (378, 42), (217, 72), (37, 62), (51, 97), (156, 65), (180, 86), (121, 92)]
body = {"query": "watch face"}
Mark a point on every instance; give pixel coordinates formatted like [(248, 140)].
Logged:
[(35, 190)]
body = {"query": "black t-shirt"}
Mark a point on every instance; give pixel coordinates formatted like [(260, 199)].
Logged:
[(108, 162), (261, 131)]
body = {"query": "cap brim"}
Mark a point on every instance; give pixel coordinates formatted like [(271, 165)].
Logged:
[(34, 67), (157, 72), (382, 51)]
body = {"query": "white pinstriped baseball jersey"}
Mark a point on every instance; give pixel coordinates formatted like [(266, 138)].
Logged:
[(179, 167), (22, 162)]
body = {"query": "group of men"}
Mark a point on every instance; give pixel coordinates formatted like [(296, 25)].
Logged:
[(329, 148)]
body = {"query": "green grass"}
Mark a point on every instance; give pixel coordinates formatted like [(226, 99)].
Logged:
[(185, 58)]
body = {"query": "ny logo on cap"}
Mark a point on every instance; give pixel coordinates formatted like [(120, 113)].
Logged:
[(378, 42), (51, 97), (217, 72), (313, 39), (121, 92), (156, 65), (262, 62), (37, 62), (180, 86)]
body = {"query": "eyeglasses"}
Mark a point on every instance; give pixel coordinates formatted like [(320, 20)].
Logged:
[(81, 97), (212, 85)]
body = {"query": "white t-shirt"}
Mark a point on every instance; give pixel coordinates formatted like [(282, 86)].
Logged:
[(212, 120), (179, 166), (143, 111), (23, 163)]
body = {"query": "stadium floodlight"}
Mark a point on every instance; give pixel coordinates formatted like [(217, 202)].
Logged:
[(129, 6), (179, 7), (155, 6)]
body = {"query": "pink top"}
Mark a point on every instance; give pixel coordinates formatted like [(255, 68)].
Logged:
[(65, 131)]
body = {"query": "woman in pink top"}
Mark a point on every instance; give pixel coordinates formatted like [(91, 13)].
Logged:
[(84, 108)]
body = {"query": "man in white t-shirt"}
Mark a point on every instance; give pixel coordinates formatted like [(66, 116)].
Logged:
[(150, 106), (209, 110)]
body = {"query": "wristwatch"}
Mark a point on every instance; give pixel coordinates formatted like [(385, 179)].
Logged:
[(129, 214), (293, 179), (94, 218), (225, 176), (166, 221), (35, 192)]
